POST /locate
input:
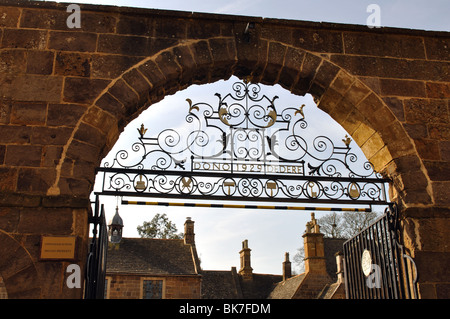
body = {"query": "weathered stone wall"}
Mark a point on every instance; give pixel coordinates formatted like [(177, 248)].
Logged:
[(66, 94)]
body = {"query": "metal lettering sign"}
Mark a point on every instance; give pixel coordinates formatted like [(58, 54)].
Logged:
[(242, 148)]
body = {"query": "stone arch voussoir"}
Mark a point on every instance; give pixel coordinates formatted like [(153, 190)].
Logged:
[(17, 269)]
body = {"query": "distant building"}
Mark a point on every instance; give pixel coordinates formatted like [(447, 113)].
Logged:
[(170, 269), (145, 268)]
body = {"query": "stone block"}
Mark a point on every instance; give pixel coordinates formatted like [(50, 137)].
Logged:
[(342, 82), (73, 41), (2, 154), (23, 155), (332, 99), (273, 32), (437, 48), (56, 221), (28, 113), (438, 171), (89, 134), (51, 156), (83, 151), (75, 64), (428, 149), (373, 145), (102, 120), (110, 104), (203, 59), (40, 62), (44, 19), (187, 63), (396, 106), (318, 40), (391, 87), (64, 114), (432, 266), (170, 28), (416, 131), (203, 29), (9, 16), (153, 74), (139, 84), (326, 73), (362, 134), (440, 193), (135, 25), (112, 66), (13, 61), (82, 90), (8, 180), (383, 45), (444, 148), (223, 53), (15, 134), (125, 95), (309, 68), (50, 135), (35, 180), (275, 60), (426, 111), (75, 187), (36, 88), (124, 45), (24, 38), (438, 90), (293, 61)]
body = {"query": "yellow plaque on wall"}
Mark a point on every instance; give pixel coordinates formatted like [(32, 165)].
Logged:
[(53, 247)]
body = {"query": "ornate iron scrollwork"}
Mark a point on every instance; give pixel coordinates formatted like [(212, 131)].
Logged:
[(243, 148)]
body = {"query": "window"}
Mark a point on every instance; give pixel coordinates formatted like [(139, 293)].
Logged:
[(152, 289)]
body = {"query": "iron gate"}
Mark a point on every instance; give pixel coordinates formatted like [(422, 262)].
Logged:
[(96, 261), (375, 264)]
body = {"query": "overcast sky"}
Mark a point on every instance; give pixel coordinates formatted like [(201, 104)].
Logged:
[(220, 232)]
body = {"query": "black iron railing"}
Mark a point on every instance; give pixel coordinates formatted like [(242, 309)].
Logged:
[(375, 264), (96, 261)]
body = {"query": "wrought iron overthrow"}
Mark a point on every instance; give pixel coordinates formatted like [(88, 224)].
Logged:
[(243, 148)]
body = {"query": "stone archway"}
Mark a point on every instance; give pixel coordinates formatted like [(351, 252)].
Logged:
[(67, 94)]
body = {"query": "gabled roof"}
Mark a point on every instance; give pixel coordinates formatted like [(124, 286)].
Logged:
[(287, 288), (148, 256), (230, 285)]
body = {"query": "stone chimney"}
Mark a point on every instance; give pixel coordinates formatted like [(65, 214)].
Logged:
[(287, 273), (246, 271), (314, 250), (340, 267), (189, 235)]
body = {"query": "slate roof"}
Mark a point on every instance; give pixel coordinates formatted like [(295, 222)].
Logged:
[(218, 284), (150, 256), (230, 285), (286, 289)]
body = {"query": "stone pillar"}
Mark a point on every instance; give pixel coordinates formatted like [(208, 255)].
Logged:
[(340, 267), (246, 271), (287, 272), (189, 235)]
